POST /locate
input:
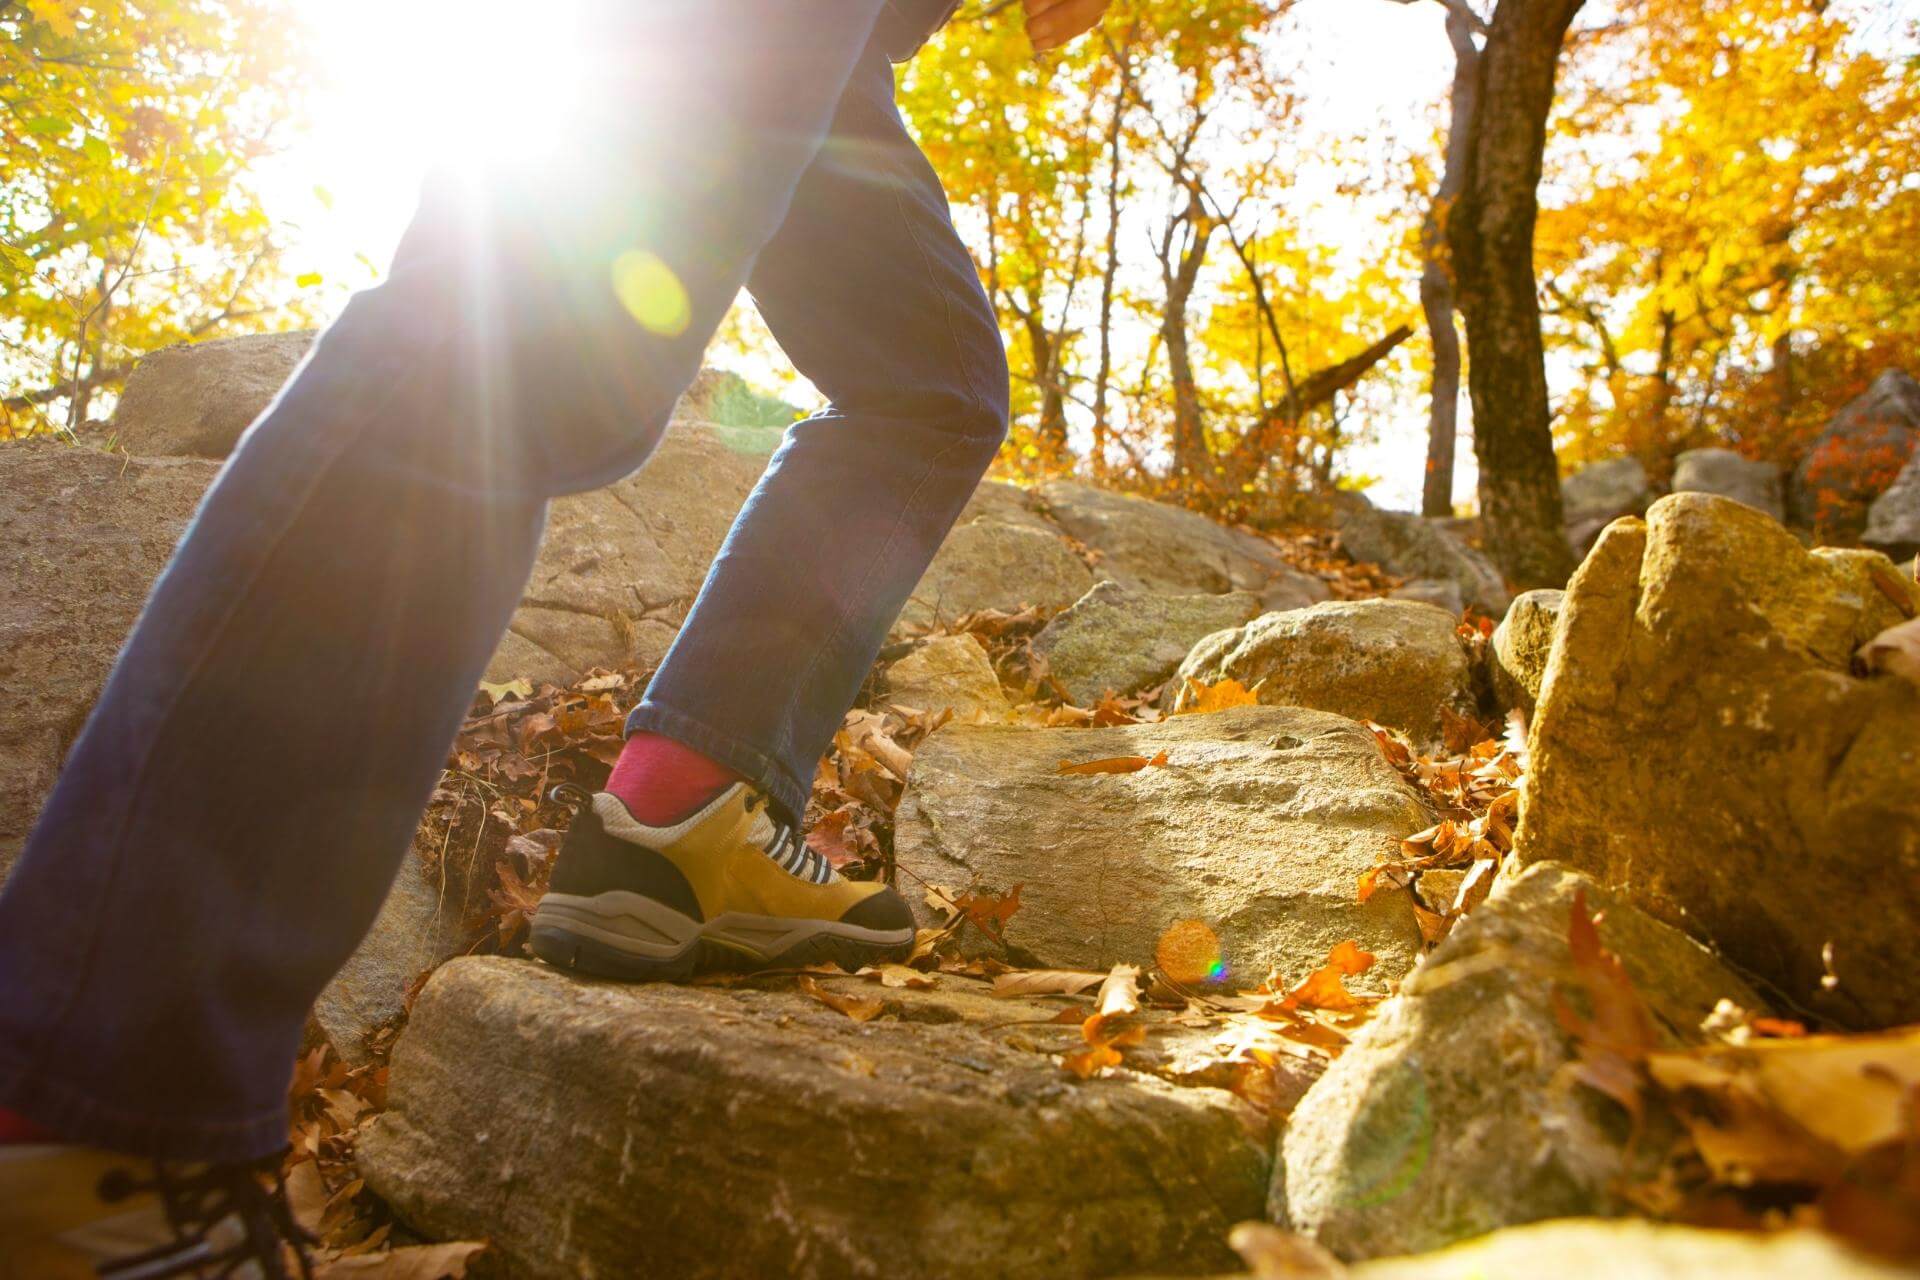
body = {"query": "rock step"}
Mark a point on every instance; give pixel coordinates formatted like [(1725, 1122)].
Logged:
[(592, 1129)]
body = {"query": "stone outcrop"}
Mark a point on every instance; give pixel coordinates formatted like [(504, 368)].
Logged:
[(82, 537), (1596, 495), (1119, 640), (1722, 471), (591, 1129), (1414, 547), (1701, 746), (1893, 521), (949, 673), (1856, 457), (1438, 592), (194, 399), (1259, 823), (1449, 1115), (1156, 547), (992, 563), (1521, 645), (1397, 662), (415, 930)]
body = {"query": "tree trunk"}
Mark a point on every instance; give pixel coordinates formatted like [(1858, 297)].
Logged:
[(1436, 275), (1490, 234)]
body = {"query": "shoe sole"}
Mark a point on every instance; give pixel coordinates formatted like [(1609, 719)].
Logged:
[(639, 939)]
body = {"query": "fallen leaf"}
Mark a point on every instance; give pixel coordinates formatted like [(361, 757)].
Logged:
[(1197, 698), (497, 693), (898, 975), (1045, 982), (990, 912), (1614, 1041), (415, 1262), (1114, 764), (1274, 1254), (859, 1008)]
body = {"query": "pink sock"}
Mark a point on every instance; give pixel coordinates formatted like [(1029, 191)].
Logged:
[(16, 1128), (662, 781)]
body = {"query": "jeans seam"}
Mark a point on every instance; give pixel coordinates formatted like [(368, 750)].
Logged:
[(58, 1012)]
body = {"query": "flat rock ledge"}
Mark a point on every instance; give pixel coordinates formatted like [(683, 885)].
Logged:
[(599, 1130)]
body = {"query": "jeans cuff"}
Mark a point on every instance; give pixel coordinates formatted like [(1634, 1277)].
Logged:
[(766, 772), (74, 1116)]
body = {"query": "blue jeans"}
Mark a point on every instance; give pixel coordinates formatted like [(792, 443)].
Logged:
[(230, 819)]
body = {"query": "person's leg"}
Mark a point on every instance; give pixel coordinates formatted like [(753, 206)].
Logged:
[(874, 297), (230, 818)]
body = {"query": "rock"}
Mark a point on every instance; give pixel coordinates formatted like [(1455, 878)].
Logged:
[(82, 536), (1447, 1116), (1521, 645), (595, 1129), (193, 399), (1856, 457), (948, 672), (1120, 640), (620, 566), (1597, 495), (1893, 521), (1260, 824), (1701, 746), (1397, 662), (1152, 546), (411, 934), (1592, 1249), (1413, 547), (1439, 592), (989, 563), (1758, 484)]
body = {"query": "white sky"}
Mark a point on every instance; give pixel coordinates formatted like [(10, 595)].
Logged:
[(404, 81)]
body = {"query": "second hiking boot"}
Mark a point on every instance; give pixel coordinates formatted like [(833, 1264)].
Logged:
[(728, 888)]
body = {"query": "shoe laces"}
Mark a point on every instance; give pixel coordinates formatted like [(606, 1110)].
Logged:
[(198, 1200), (788, 844)]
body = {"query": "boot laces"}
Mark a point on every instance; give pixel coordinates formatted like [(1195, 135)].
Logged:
[(788, 847), (198, 1199)]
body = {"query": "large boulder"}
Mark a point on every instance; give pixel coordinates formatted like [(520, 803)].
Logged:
[(193, 399), (1121, 640), (1701, 746), (1259, 823), (1451, 1114), (1521, 646), (1156, 547), (416, 929), (1893, 521), (1597, 495), (993, 563), (1398, 662), (1414, 547), (593, 1129), (1758, 484), (1614, 1249), (82, 537), (947, 673), (1856, 457)]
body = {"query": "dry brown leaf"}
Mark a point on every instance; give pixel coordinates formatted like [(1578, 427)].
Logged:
[(859, 1008), (989, 912), (1324, 988), (1273, 1254), (415, 1262), (898, 975), (1197, 698), (1113, 764), (1894, 652), (1045, 982), (1614, 1041)]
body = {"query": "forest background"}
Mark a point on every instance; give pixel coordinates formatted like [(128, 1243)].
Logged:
[(1204, 229)]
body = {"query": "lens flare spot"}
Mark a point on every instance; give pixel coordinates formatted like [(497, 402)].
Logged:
[(1189, 952), (651, 293)]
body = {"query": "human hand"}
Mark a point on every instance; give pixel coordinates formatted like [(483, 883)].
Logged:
[(1053, 23)]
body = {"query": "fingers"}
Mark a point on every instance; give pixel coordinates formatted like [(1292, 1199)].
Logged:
[(1052, 23)]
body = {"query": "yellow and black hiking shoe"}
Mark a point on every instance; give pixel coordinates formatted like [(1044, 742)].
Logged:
[(728, 888), (71, 1211)]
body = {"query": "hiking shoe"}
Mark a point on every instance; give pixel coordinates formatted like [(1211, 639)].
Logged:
[(70, 1211), (728, 888)]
